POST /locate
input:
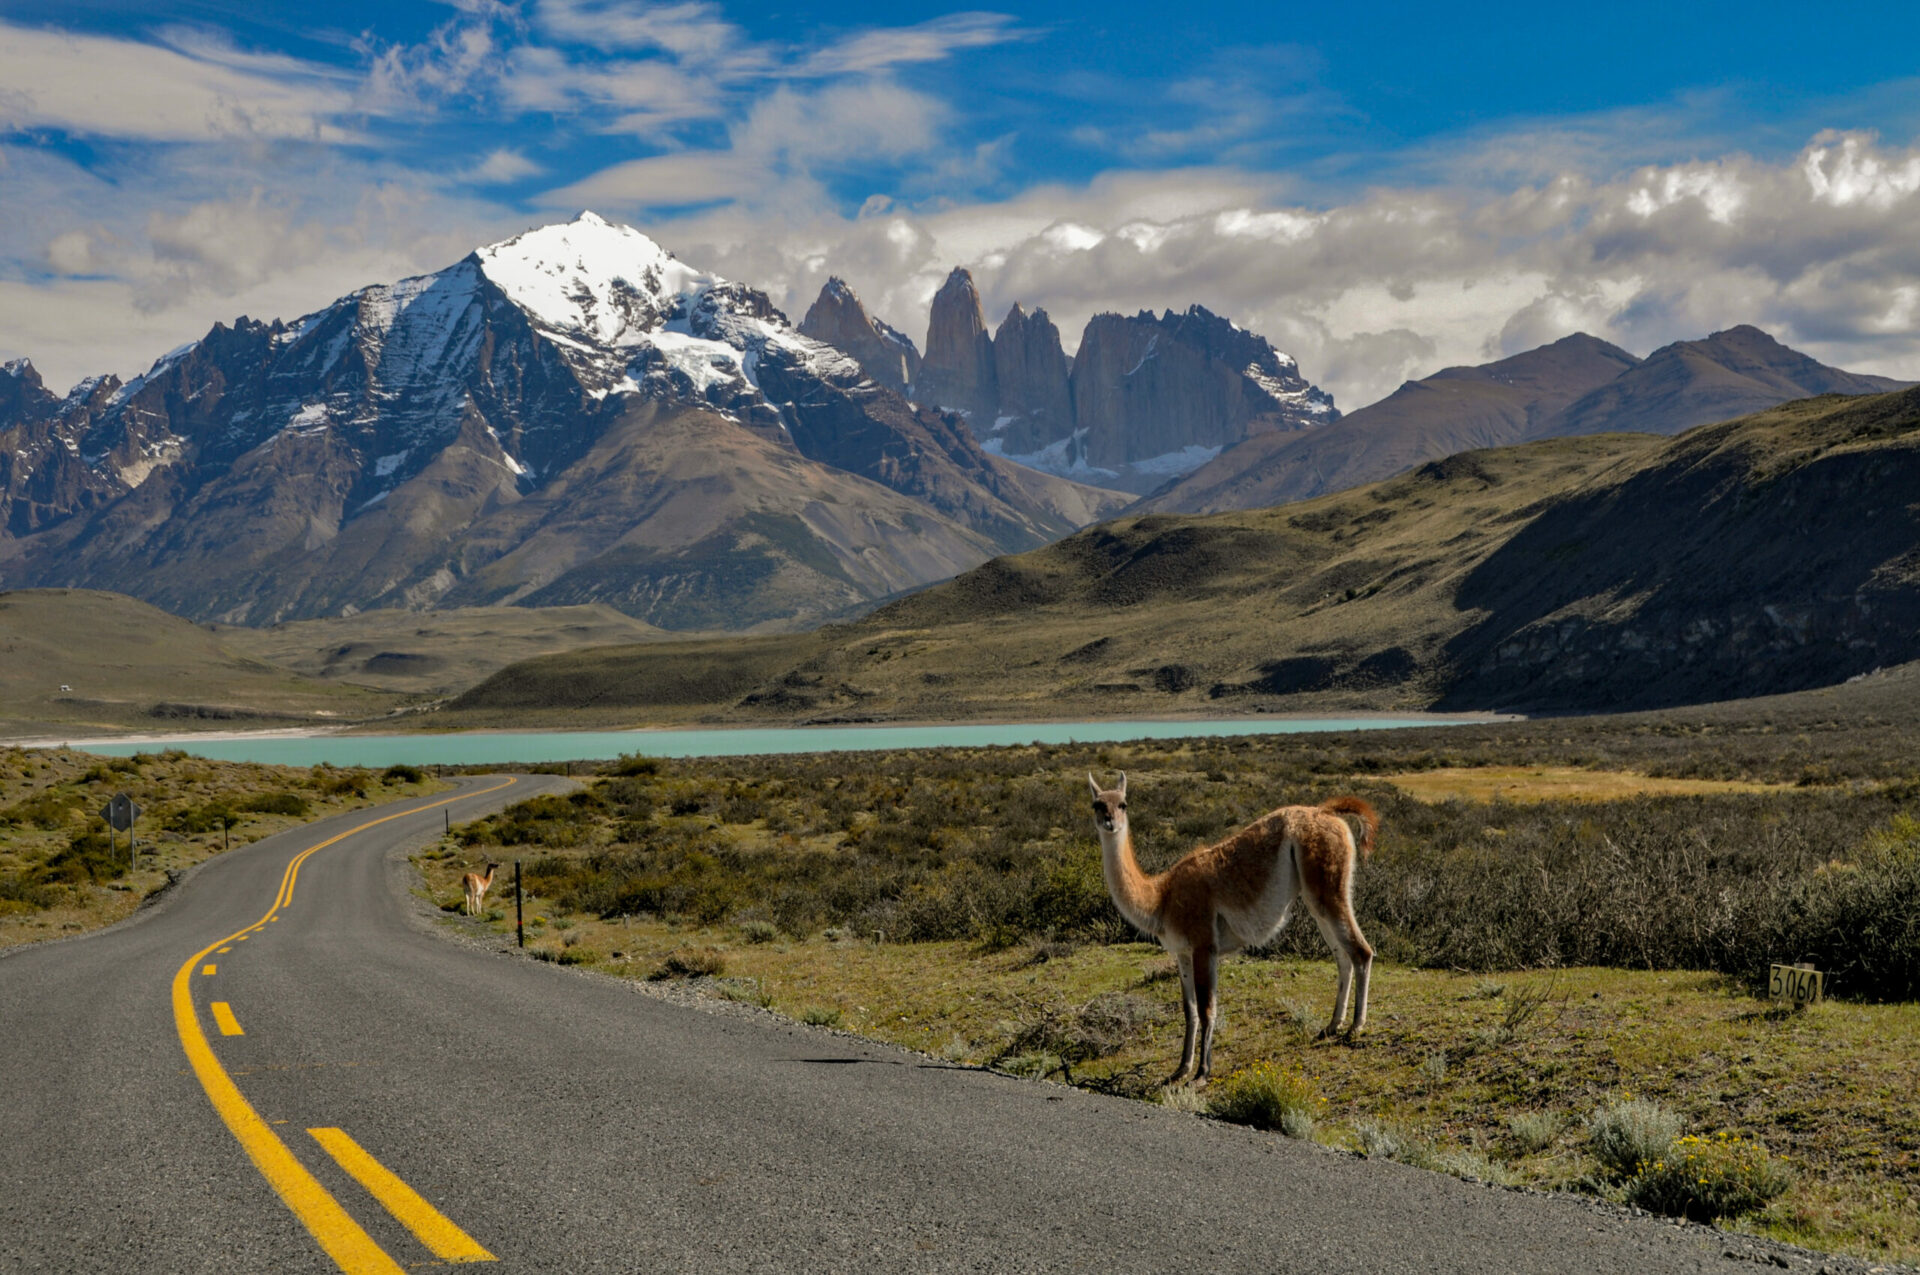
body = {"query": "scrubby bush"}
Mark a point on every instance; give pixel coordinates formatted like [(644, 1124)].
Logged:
[(1268, 1096), (89, 856), (402, 773), (1708, 1178), (274, 803), (194, 820), (1628, 1134), (691, 962), (1533, 1131)]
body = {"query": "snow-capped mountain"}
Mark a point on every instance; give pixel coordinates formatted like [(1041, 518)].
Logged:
[(570, 414)]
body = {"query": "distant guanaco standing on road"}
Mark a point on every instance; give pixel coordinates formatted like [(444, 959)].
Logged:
[(1237, 894), (477, 887)]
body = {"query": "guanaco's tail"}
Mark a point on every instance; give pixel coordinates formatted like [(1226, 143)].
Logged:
[(1369, 820)]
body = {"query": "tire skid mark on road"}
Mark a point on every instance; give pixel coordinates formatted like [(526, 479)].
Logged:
[(343, 1239)]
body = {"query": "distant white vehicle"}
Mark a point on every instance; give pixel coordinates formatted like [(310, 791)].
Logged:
[(64, 688)]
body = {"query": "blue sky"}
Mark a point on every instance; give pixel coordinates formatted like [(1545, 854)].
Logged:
[(1381, 188)]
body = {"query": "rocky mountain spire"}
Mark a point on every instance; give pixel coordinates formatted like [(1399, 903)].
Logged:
[(1160, 396), (22, 394), (1031, 372), (957, 372), (883, 352)]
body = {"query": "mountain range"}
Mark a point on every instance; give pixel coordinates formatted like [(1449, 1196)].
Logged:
[(1577, 385), (1589, 573), (574, 416), (569, 416)]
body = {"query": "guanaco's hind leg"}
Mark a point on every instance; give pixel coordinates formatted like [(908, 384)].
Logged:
[(1355, 958), (1206, 982)]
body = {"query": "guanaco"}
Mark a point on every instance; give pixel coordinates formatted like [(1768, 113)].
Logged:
[(477, 887), (1237, 894)]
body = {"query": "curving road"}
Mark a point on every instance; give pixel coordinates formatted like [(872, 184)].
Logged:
[(395, 1101)]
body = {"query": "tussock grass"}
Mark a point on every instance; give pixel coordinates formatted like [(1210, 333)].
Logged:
[(1268, 1096), (1629, 1133)]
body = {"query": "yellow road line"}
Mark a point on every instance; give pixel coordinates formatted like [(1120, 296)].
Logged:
[(429, 1225), (351, 1248), (208, 969), (223, 1015)]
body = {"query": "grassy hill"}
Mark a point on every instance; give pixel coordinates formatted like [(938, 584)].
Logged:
[(131, 666), (1768, 554), (75, 662), (431, 652)]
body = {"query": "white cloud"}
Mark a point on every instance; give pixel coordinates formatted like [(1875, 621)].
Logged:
[(1822, 249), (102, 87), (691, 30), (888, 47)]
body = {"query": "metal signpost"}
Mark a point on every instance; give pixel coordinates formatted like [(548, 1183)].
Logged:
[(120, 812)]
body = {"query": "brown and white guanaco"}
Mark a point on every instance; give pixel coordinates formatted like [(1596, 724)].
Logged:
[(1238, 893), (477, 886)]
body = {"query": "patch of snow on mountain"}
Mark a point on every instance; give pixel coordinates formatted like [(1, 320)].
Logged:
[(1066, 458), (706, 363), (385, 465), (310, 419), (152, 456), (1169, 464)]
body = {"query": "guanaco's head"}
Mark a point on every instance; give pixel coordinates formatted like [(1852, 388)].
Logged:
[(1109, 805)]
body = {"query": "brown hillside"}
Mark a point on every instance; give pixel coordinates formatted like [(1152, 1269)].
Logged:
[(1606, 572)]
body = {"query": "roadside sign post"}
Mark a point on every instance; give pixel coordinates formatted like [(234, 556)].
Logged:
[(519, 927), (120, 812)]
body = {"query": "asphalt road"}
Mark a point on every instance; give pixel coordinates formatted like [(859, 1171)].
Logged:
[(552, 1121)]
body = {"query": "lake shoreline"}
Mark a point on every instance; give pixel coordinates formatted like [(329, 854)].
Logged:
[(311, 745)]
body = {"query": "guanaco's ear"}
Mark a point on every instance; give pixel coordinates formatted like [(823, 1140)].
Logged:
[(1123, 784), (1093, 783)]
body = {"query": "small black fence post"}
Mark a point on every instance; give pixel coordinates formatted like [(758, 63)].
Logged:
[(519, 929)]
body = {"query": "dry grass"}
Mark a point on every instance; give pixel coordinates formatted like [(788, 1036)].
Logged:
[(1555, 783)]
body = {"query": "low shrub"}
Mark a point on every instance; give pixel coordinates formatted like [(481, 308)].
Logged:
[(88, 856), (1103, 1026), (402, 773), (1268, 1096), (691, 962), (1533, 1131), (48, 808), (759, 931), (1625, 1135), (1708, 1178), (274, 803), (194, 820), (821, 1016)]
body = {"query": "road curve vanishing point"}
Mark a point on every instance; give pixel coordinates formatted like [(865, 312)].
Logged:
[(344, 1240)]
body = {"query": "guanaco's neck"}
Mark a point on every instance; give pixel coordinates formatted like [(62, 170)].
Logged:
[(1136, 894)]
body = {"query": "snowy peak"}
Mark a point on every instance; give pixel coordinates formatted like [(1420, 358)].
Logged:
[(609, 282)]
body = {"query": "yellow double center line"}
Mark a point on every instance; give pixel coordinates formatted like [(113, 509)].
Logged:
[(342, 1238)]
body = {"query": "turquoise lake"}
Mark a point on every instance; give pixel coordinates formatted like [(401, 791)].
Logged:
[(549, 746)]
